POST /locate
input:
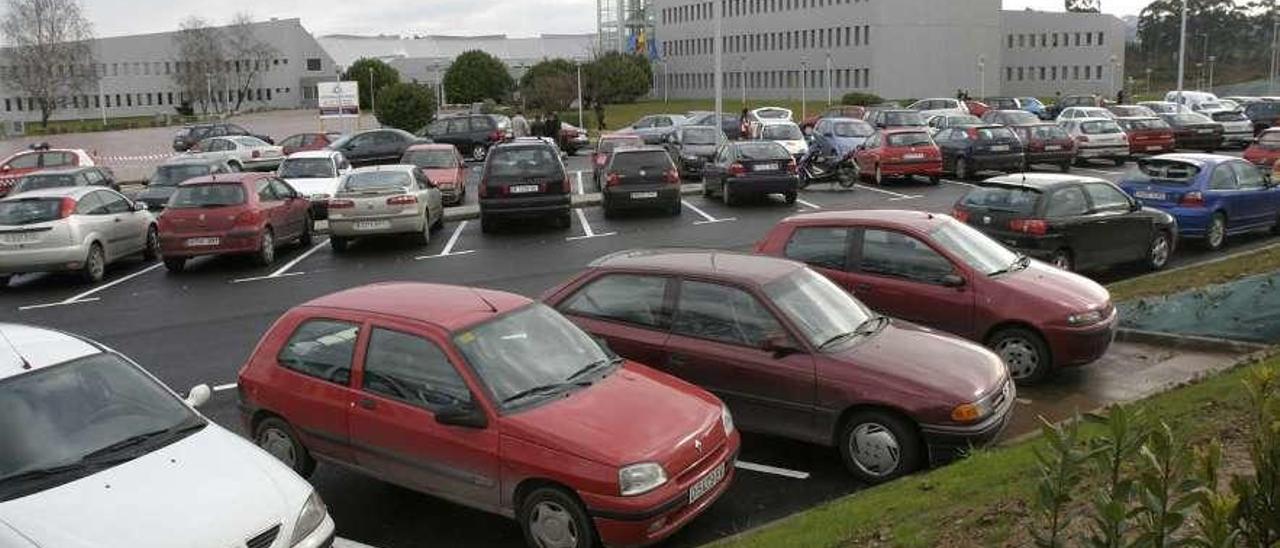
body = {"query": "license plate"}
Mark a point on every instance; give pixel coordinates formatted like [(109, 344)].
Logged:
[(1149, 195), (643, 195), (203, 242), (1052, 148), (1000, 148), (524, 189), (913, 156), (372, 225), (765, 167), (1155, 147), (707, 483), (1204, 131), (19, 238)]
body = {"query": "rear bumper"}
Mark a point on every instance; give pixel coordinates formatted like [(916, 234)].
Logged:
[(763, 185), (692, 167), (393, 224), (14, 260), (998, 162), (1238, 137), (1051, 157), (622, 197), (1199, 141), (1192, 221), (230, 243), (928, 169), (451, 195), (534, 206), (1112, 152), (1152, 147)]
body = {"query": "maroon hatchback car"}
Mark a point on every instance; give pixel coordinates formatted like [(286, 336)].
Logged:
[(491, 401), (793, 355), (934, 270)]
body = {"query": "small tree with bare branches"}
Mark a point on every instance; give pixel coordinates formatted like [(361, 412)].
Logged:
[(48, 52)]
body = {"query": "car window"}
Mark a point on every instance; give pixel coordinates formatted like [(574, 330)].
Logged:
[(1222, 178), (1106, 197), (1247, 176), (413, 370), (281, 188), (723, 313), (57, 159), (322, 349), (294, 141), (438, 127), (207, 195), (371, 180), (892, 253), (911, 139), (25, 161), (91, 204), (623, 297), (265, 192), (634, 162), (1067, 202), (114, 203), (826, 247), (481, 123)]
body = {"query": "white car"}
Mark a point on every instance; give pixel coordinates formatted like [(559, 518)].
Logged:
[(98, 453), (1165, 107), (243, 152), (933, 107), (1080, 113), (1191, 99), (787, 134), (762, 115), (315, 174), (1237, 129)]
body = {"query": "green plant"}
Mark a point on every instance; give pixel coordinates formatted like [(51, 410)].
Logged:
[(475, 76), (861, 99), (1113, 451), (618, 77), (1258, 510), (1213, 526), (406, 106), (1060, 463), (366, 72), (1165, 491), (550, 85)]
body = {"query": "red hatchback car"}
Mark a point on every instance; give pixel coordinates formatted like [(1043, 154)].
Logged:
[(443, 166), (1147, 136), (1265, 150), (898, 153), (792, 355), (492, 401), (237, 213), (308, 141), (936, 271)]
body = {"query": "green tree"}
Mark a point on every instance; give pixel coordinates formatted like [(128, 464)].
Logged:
[(618, 78), (383, 75), (475, 76), (406, 106), (861, 99), (550, 85)]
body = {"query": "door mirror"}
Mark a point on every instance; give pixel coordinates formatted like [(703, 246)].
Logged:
[(140, 206), (953, 280), (199, 395), (464, 415), (1135, 205), (780, 344), (6, 167)]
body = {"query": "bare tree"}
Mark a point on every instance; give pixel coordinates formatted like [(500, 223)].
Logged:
[(48, 51), (201, 62), (250, 55)]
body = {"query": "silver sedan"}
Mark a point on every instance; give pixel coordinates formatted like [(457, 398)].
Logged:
[(77, 229), (381, 200)]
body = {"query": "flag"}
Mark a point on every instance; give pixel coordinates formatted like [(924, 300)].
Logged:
[(1084, 6)]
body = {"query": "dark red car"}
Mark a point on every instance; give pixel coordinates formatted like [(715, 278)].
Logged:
[(899, 153), (934, 270), (308, 141), (444, 166), (1045, 143), (232, 214), (1148, 136), (1265, 150), (977, 108), (793, 355), (492, 401)]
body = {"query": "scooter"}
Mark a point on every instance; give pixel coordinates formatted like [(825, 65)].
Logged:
[(816, 168)]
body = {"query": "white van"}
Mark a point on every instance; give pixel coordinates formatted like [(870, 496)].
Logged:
[(1191, 99)]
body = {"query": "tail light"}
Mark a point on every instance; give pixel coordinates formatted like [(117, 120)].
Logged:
[(342, 204), (256, 154), (736, 169), (612, 180), (565, 186), (1035, 227), (404, 199), (671, 176), (599, 159), (791, 166), (496, 136), (66, 207), (960, 214), (1192, 199), (246, 218)]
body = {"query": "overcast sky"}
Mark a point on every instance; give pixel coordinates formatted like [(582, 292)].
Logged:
[(511, 17)]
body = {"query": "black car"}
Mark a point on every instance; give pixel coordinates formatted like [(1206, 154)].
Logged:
[(1010, 118), (1264, 114), (1193, 130), (376, 146), (524, 179), (1076, 223), (472, 134), (1046, 143), (891, 118), (641, 178), (190, 135), (74, 176), (750, 168), (968, 150), (692, 146), (167, 176), (731, 125)]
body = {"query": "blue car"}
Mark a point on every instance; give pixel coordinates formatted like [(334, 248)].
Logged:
[(1034, 106), (839, 136), (1211, 196)]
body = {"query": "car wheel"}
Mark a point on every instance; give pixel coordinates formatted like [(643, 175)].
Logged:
[(307, 236), (1081, 162), (1024, 353), (152, 251), (879, 176), (706, 189), (962, 169), (1216, 235), (935, 180), (266, 248), (423, 237), (439, 224), (676, 208), (276, 437), (235, 167), (479, 153), (1161, 248), (1065, 167), (878, 446), (338, 244), (487, 224), (95, 264), (175, 265), (789, 197), (552, 518), (564, 221), (726, 192), (1062, 259)]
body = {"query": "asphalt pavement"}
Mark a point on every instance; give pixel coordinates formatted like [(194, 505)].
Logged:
[(199, 327)]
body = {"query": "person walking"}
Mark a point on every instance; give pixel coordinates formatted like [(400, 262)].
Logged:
[(519, 125), (1120, 97), (551, 127), (599, 110), (744, 124)]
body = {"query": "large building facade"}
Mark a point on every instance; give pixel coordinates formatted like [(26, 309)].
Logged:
[(893, 48)]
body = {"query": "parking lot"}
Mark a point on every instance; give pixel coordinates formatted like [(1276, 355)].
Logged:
[(199, 326)]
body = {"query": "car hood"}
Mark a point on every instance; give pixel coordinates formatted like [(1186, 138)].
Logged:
[(442, 175), (698, 150), (308, 187), (795, 147), (157, 193), (212, 486), (909, 355), (1051, 288), (633, 415)]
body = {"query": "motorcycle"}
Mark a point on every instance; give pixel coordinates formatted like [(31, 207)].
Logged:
[(817, 168)]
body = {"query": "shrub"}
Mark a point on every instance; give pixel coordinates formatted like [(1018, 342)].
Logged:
[(406, 106), (861, 99)]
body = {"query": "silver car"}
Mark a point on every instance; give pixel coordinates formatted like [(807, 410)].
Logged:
[(243, 152), (1097, 139), (381, 200), (78, 229)]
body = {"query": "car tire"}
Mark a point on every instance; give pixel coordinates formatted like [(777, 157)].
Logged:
[(338, 244), (878, 446), (935, 180), (308, 232), (962, 170), (479, 153), (608, 211), (423, 237), (551, 516), (278, 439), (726, 192), (1026, 165), (564, 221), (175, 265), (1160, 250), (1081, 162), (706, 189), (439, 224), (235, 166), (95, 264), (1065, 167), (676, 209), (1063, 259), (266, 253), (1215, 236), (789, 197), (487, 224), (878, 176), (1024, 353), (152, 250)]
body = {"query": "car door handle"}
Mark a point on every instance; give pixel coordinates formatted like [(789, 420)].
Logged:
[(367, 403)]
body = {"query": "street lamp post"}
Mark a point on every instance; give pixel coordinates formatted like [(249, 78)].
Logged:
[(102, 103), (1182, 52), (828, 79), (373, 107), (1200, 76), (666, 81), (1212, 58), (804, 84), (1114, 65), (742, 79), (718, 49), (581, 123), (982, 77), (1148, 79)]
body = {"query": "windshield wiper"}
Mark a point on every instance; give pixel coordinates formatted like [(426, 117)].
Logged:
[(870, 326), (543, 389), (1019, 263), (593, 366), (41, 473), (133, 441)]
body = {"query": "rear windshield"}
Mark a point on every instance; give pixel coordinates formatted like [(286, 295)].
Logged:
[(762, 151), (995, 134), (1162, 108), (781, 132), (431, 159), (607, 145), (1018, 117), (1271, 138), (1005, 199), (372, 180), (249, 141), (903, 119), (210, 195), (648, 160), (1097, 127), (1147, 123), (1230, 116), (1131, 110), (852, 129), (915, 138), (700, 136), (772, 114), (1191, 118), (1264, 109), (526, 161), (29, 211), (175, 174), (308, 168), (1164, 171), (36, 182), (1044, 133)]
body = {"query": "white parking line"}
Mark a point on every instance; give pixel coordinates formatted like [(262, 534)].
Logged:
[(793, 474), (448, 246), (222, 387), (283, 271), (808, 204), (896, 195), (705, 215), (586, 229), (83, 297)]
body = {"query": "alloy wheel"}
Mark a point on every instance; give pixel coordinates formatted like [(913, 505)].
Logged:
[(1160, 251), (1019, 355), (267, 254), (552, 526), (874, 449), (479, 152), (153, 243), (96, 264), (1217, 232), (278, 445)]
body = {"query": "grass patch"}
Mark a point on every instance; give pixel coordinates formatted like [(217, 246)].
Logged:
[(1256, 262)]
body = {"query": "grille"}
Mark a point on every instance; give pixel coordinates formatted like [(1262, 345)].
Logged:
[(264, 539)]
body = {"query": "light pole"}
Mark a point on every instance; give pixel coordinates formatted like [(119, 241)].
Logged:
[(804, 84), (373, 106), (1182, 52), (666, 81), (982, 77), (1212, 58), (1148, 79), (828, 79), (581, 124), (742, 79), (1114, 64), (1200, 76), (718, 50), (208, 91), (1275, 41), (102, 103)]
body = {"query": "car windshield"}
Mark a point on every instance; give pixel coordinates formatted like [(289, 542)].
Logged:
[(817, 306), (375, 180), (523, 161), (67, 421), (1131, 111), (528, 349), (903, 119), (762, 151), (36, 182), (1144, 123), (995, 134), (911, 139), (1230, 116), (973, 247), (1005, 199), (431, 159), (608, 145), (1030, 102), (852, 129), (1019, 117), (1162, 170), (965, 120), (308, 168), (26, 211), (1267, 108), (699, 136), (1212, 105), (1047, 133), (1187, 118), (207, 195), (781, 132), (172, 175), (1098, 127)]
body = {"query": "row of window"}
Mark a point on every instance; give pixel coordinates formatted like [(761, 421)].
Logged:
[(834, 37), (703, 11), (126, 100), (1054, 73), (1057, 39), (841, 78), (158, 68)]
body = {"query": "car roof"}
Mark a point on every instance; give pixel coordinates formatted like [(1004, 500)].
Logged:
[(26, 348), (775, 122), (642, 148), (314, 154), (1136, 118), (725, 265), (1040, 181), (191, 160), (58, 192), (617, 136), (896, 217), (430, 146), (911, 129), (386, 167), (1198, 159), (63, 170), (451, 307), (241, 177), (834, 119), (1092, 119)]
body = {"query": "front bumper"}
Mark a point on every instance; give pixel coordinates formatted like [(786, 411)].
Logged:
[(533, 206), (947, 442), (1077, 346), (322, 537), (405, 223), (16, 260), (230, 243)]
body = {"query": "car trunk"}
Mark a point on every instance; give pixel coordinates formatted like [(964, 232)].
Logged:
[(992, 209), (641, 169), (204, 208), (372, 202), (523, 172), (1162, 183)]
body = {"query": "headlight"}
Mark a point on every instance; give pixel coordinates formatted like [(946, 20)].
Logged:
[(639, 479), (971, 412), (312, 515), (1085, 318), (320, 196), (726, 419), (691, 158)]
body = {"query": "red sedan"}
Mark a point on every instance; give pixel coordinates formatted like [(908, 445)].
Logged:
[(308, 141), (899, 153), (1148, 136), (238, 213), (491, 401), (934, 270), (443, 166), (1265, 151)]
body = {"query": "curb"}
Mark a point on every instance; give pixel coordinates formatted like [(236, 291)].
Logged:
[(1188, 342), (578, 201)]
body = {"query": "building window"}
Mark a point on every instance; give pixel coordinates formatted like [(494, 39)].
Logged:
[(1098, 71), (1008, 74), (1075, 72), (1020, 74), (1044, 40), (1010, 46), (1022, 40), (1077, 39), (1053, 73), (1088, 39), (1100, 38), (1055, 39)]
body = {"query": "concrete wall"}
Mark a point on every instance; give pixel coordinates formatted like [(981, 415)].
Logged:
[(931, 48), (1070, 60)]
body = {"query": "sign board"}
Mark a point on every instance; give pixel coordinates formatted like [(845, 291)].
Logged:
[(338, 99)]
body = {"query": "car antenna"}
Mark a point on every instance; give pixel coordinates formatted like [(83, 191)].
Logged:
[(486, 302), (26, 365)]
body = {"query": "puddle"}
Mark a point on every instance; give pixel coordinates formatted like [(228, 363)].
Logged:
[(1246, 310)]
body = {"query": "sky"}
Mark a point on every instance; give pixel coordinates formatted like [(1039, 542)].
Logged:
[(460, 17)]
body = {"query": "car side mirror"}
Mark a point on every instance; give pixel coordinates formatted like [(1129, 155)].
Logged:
[(199, 395), (780, 344), (464, 415), (1135, 205), (140, 206), (5, 167), (953, 280)]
